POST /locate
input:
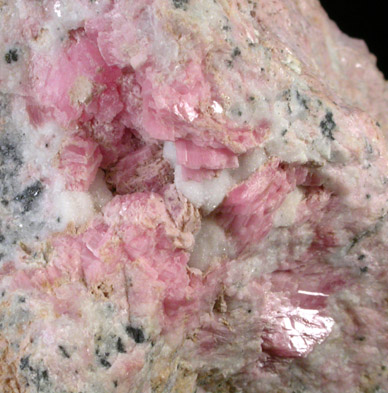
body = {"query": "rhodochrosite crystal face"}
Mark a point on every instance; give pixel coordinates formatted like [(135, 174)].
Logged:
[(194, 198)]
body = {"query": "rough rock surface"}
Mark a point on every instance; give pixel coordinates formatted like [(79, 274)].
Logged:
[(194, 198)]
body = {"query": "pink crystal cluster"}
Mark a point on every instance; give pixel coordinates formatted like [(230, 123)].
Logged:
[(143, 296)]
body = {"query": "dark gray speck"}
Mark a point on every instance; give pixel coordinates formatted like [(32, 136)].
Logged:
[(180, 4), (327, 126), (236, 52), (63, 351), (24, 362), (11, 56), (120, 346), (136, 333), (105, 363), (29, 195)]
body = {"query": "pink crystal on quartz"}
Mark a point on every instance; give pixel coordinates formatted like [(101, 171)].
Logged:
[(193, 199)]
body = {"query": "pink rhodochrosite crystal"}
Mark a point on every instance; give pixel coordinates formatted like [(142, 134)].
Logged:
[(193, 199)]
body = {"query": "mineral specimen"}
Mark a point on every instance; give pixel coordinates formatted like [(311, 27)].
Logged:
[(194, 198)]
